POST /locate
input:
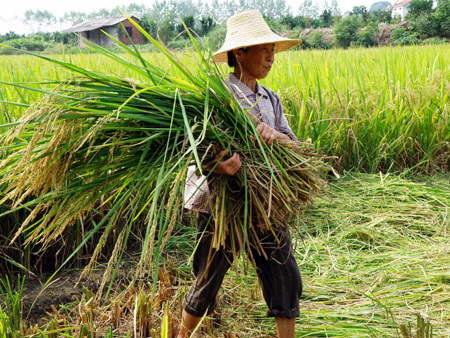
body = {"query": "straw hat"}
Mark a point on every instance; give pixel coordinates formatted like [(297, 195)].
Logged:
[(249, 29)]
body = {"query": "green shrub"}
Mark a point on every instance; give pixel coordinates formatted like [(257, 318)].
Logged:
[(345, 31), (316, 41), (435, 41), (402, 37), (424, 26), (366, 36), (441, 18)]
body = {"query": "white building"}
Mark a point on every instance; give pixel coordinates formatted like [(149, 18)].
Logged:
[(400, 9)]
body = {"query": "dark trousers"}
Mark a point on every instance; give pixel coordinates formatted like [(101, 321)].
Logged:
[(279, 274)]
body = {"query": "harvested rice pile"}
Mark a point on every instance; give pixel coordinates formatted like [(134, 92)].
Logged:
[(101, 141)]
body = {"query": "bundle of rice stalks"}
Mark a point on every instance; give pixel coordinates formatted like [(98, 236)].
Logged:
[(103, 141)]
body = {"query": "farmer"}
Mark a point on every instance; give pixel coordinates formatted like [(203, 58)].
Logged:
[(249, 49)]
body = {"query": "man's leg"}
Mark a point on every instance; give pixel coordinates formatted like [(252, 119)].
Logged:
[(285, 327), (280, 279), (210, 267), (188, 324)]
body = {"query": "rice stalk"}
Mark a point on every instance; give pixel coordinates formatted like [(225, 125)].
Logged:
[(102, 140)]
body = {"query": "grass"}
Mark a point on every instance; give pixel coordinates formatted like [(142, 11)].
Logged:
[(374, 258), (381, 243), (10, 313)]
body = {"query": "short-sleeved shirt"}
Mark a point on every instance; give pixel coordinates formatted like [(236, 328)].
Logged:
[(267, 108)]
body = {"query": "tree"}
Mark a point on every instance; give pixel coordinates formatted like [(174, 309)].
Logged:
[(434, 24), (64, 38), (379, 6), (206, 25), (441, 18), (289, 21), (166, 31), (217, 35), (133, 9), (272, 9), (333, 7), (419, 7), (10, 36), (382, 16), (101, 13), (403, 37), (149, 25), (326, 18), (309, 9), (39, 19), (163, 12), (189, 21), (222, 10), (360, 12), (73, 18), (345, 31), (185, 8)]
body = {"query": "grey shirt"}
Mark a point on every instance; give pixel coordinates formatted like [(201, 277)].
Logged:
[(267, 108)]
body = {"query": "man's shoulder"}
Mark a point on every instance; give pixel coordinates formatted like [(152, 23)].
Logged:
[(232, 79), (271, 94), (269, 91)]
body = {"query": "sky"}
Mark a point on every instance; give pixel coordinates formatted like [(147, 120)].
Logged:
[(11, 10)]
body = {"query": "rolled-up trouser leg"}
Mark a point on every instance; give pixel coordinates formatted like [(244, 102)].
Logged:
[(279, 275), (210, 267)]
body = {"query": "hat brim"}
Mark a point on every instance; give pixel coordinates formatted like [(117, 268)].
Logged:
[(281, 44)]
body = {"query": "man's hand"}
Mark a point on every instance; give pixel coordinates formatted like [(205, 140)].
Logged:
[(229, 166), (269, 134)]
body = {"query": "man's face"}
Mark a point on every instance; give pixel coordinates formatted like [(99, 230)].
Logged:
[(257, 61)]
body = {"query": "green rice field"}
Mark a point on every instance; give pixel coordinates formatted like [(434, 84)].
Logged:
[(373, 249), (377, 109)]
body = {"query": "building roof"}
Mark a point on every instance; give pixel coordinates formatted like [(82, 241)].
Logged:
[(93, 24), (401, 4)]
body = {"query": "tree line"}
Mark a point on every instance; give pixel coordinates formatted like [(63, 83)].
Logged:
[(423, 23), (162, 20)]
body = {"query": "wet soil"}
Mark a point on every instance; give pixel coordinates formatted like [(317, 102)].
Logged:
[(42, 298)]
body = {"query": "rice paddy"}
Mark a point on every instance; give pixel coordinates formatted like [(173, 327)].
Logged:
[(377, 109), (373, 251)]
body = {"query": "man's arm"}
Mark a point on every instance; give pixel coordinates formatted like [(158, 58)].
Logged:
[(233, 164), (226, 167), (269, 134)]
